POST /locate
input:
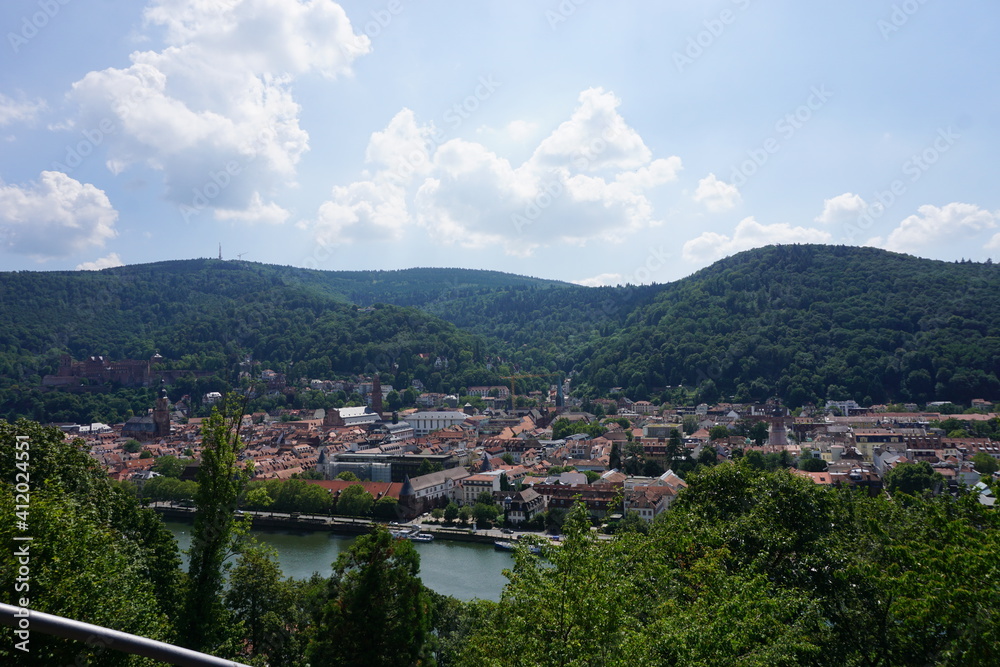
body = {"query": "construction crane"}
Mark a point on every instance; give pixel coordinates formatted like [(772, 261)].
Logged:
[(239, 255)]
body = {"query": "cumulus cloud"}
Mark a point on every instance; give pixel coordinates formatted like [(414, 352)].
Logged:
[(932, 225), (587, 180), (842, 210), (717, 195), (55, 217), (749, 233), (214, 110), (108, 262), (13, 111)]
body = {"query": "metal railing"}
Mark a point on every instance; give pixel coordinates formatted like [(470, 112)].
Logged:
[(123, 642)]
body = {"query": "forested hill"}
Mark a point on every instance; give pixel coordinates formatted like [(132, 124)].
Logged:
[(806, 323), (814, 322)]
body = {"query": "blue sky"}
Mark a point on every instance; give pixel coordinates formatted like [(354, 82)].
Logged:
[(581, 140)]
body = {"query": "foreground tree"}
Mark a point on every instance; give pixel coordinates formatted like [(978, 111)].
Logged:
[(379, 613), (221, 482)]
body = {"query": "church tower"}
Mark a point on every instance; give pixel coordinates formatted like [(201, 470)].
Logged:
[(161, 415)]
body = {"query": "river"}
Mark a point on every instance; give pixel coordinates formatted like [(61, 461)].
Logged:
[(460, 569)]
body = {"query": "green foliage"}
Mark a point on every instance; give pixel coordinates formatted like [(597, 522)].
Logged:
[(214, 538), (387, 508), (291, 495), (758, 568), (563, 428), (719, 432), (353, 630), (95, 554), (985, 464), (811, 464), (451, 512), (913, 479), (169, 466), (169, 488), (355, 501), (427, 467), (132, 446), (348, 476)]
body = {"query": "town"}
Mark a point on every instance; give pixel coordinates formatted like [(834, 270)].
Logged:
[(524, 467)]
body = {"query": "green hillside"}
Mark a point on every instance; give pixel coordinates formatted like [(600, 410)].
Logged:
[(814, 322), (806, 323)]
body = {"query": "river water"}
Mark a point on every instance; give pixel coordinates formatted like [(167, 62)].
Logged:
[(460, 569)]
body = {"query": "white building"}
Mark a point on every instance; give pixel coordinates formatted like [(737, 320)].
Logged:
[(427, 422)]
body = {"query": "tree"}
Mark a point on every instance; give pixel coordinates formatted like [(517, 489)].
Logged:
[(259, 598), (348, 476), (426, 468), (451, 512), (985, 464), (221, 482), (464, 513), (132, 446), (708, 456), (146, 454), (758, 432), (485, 514), (912, 478), (615, 459), (352, 630), (355, 501), (718, 432), (169, 466), (387, 508), (811, 464), (95, 553)]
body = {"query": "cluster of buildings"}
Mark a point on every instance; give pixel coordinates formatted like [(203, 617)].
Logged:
[(429, 458)]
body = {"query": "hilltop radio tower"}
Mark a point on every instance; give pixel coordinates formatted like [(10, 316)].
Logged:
[(220, 252)]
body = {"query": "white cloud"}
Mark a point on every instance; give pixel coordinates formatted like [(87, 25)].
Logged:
[(12, 111), (521, 130), (717, 195), (932, 225), (595, 137), (108, 262), (578, 186), (994, 243), (216, 104), (601, 280), (842, 210), (255, 211), (55, 217), (748, 234)]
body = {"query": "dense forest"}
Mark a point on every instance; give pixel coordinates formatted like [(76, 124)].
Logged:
[(748, 567), (805, 323)]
